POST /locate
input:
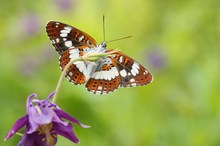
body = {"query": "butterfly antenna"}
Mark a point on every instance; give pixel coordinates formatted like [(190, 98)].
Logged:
[(119, 39), (103, 27), (103, 23)]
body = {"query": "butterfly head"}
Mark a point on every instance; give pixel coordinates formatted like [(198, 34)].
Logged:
[(103, 44), (101, 48)]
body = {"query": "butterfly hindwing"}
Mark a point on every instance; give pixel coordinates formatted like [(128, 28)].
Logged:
[(105, 78), (79, 71), (73, 73)]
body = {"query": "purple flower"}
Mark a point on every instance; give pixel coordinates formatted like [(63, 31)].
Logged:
[(43, 121)]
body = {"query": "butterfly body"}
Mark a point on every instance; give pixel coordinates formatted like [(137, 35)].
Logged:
[(102, 76)]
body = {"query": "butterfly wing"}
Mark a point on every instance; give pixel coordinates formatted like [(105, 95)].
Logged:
[(105, 78), (117, 70), (131, 72), (64, 36), (79, 71), (71, 43)]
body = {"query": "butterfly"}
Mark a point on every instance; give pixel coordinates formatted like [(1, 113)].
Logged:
[(102, 76)]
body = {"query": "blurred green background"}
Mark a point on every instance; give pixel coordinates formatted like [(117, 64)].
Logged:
[(178, 41)]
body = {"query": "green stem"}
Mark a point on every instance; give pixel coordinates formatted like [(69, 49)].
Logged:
[(61, 78), (19, 134), (89, 57)]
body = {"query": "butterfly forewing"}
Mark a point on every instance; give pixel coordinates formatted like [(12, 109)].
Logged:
[(131, 73), (64, 36)]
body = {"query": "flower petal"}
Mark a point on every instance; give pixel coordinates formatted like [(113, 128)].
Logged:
[(57, 119), (29, 100), (32, 124), (50, 95), (62, 114), (34, 139), (45, 117), (66, 131), (21, 122), (39, 117)]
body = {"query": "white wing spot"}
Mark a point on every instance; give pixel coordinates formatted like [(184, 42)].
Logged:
[(101, 75), (81, 38), (70, 73), (73, 56), (115, 71), (123, 73), (132, 80), (146, 72), (133, 84), (137, 65), (63, 35), (68, 77), (98, 75), (81, 66), (57, 40), (65, 31), (100, 88), (68, 43), (88, 42), (68, 29), (98, 92), (120, 59), (135, 68), (74, 53), (133, 72), (105, 75), (109, 75)]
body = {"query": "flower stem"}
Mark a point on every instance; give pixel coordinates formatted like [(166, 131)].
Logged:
[(19, 134), (92, 57), (61, 78)]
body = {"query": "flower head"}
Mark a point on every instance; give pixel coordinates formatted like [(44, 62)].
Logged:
[(43, 121)]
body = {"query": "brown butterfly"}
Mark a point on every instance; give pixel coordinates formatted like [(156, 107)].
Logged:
[(106, 74)]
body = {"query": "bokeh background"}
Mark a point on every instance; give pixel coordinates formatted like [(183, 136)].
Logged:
[(178, 41)]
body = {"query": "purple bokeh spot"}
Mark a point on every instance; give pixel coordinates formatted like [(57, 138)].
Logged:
[(31, 62), (31, 24), (156, 58), (65, 5)]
